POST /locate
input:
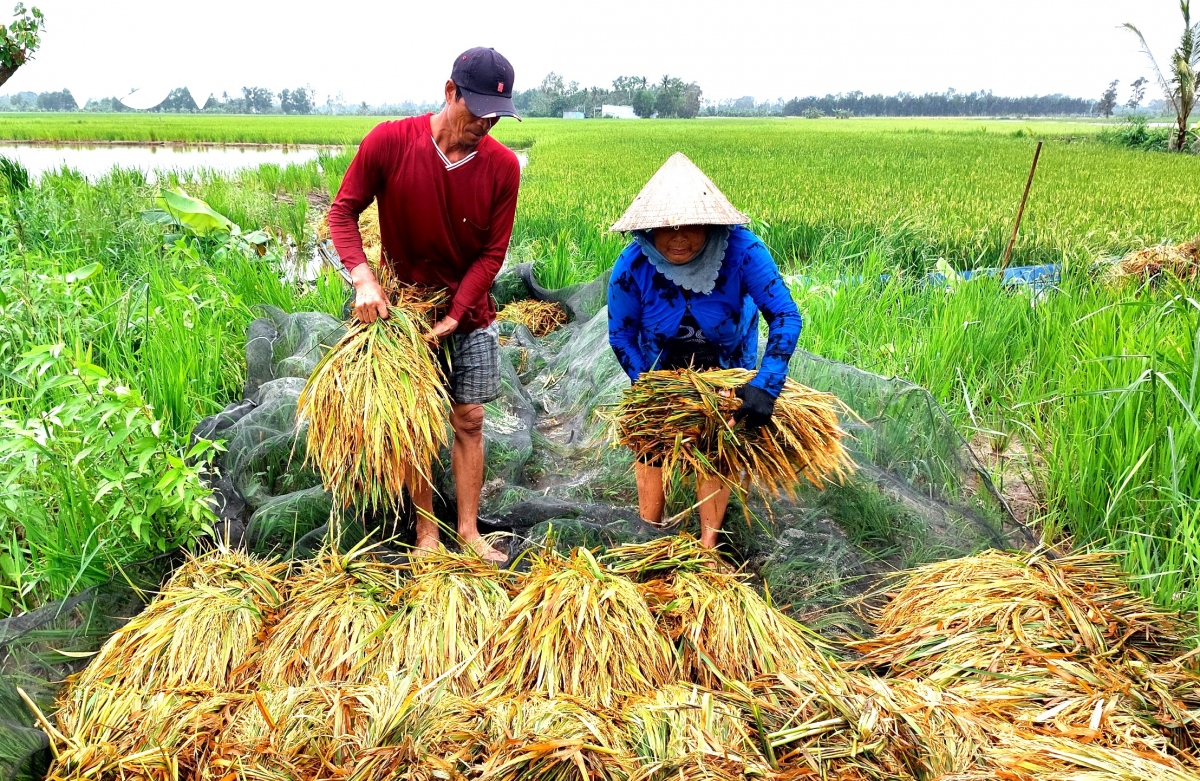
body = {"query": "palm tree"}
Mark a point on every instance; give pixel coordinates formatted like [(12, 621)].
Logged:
[(1183, 87)]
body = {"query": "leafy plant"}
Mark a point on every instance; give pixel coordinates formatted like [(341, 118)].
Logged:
[(1183, 85), (20, 39)]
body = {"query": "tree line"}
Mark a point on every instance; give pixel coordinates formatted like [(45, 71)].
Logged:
[(253, 100), (670, 96)]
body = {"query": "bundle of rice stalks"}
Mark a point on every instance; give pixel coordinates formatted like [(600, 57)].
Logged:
[(644, 561), (418, 734), (1017, 756), (452, 603), (368, 228), (725, 631), (555, 740), (203, 630), (683, 417), (1181, 261), (578, 630), (540, 317), (309, 732), (377, 408), (997, 609), (837, 726), (109, 732), (691, 734), (337, 625)]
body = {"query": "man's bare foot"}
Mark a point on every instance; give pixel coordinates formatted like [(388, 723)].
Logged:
[(425, 546), (486, 551)]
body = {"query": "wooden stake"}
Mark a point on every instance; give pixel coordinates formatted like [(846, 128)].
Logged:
[(1021, 211)]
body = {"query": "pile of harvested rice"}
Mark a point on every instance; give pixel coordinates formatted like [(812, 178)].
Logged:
[(998, 666), (376, 407), (368, 228), (1181, 261), (577, 630), (540, 317), (338, 625), (683, 417)]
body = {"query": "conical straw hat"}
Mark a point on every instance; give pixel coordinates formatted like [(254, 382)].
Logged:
[(679, 194)]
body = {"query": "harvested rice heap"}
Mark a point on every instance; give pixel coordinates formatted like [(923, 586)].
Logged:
[(651, 663), (376, 407), (368, 228), (683, 418), (540, 317), (1181, 261)]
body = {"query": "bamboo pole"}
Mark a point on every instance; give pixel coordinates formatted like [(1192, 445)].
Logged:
[(1021, 211)]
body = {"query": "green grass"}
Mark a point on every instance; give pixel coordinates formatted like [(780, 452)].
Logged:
[(1101, 383)]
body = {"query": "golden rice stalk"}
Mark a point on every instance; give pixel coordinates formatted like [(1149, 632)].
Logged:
[(575, 629), (337, 625), (644, 561), (689, 733), (204, 629), (377, 408), (452, 604), (1018, 756), (559, 739), (418, 733), (725, 631), (368, 228), (309, 732), (683, 418), (943, 615), (1181, 261), (111, 732), (540, 317)]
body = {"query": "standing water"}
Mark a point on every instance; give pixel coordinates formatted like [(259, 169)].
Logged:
[(94, 161)]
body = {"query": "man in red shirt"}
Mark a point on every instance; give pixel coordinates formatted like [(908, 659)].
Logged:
[(447, 194)]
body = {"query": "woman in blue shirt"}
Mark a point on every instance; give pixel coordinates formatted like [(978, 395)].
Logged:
[(687, 294)]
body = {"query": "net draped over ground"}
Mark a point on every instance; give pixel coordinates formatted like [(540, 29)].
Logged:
[(919, 493)]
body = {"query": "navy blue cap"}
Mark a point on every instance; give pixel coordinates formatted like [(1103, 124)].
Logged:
[(486, 80)]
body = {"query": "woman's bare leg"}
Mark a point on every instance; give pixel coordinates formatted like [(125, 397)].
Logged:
[(651, 493), (715, 496)]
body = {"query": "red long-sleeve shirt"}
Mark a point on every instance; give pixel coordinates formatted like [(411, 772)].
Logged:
[(442, 224)]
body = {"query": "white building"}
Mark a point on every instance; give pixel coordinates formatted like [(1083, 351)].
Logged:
[(618, 112)]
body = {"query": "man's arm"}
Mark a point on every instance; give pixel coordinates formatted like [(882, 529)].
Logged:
[(477, 282), (361, 184)]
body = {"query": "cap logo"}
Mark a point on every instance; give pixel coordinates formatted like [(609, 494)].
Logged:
[(500, 87)]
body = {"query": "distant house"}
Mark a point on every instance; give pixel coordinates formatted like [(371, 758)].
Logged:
[(572, 115), (618, 112)]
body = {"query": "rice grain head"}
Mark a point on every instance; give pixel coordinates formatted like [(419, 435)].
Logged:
[(540, 317), (682, 417)]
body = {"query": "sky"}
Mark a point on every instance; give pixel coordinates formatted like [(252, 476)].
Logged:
[(401, 50)]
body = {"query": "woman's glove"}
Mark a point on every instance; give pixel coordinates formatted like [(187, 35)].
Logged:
[(757, 406)]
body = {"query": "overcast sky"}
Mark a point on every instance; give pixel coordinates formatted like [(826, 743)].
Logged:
[(398, 50)]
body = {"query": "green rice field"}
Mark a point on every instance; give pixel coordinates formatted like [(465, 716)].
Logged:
[(1091, 390)]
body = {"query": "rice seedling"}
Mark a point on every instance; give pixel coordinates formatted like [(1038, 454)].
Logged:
[(691, 734), (204, 629), (560, 739), (540, 317), (377, 409), (725, 631), (337, 625), (661, 557), (576, 630), (684, 418), (451, 604)]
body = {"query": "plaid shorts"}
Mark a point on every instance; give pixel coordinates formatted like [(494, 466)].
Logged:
[(472, 365)]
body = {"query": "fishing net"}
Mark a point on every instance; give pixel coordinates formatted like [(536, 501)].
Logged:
[(919, 493)]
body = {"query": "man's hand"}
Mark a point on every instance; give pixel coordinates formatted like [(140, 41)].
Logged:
[(370, 301), (443, 328)]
